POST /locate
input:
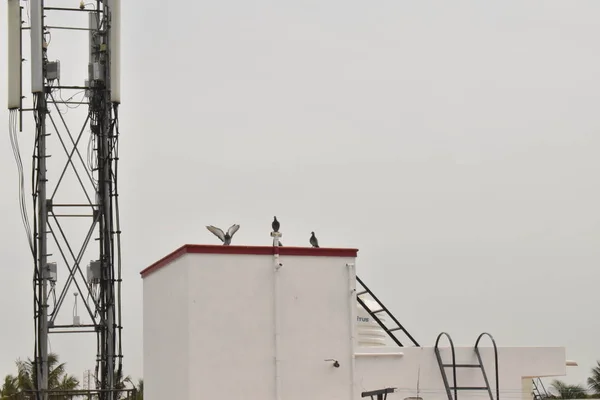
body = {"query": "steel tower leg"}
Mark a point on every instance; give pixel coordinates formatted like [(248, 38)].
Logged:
[(105, 197), (42, 251), (102, 107)]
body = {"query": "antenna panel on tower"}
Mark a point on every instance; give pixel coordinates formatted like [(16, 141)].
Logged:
[(115, 50), (14, 54), (37, 40)]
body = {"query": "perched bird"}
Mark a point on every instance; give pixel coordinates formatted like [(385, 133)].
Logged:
[(313, 240), (225, 237), (275, 225)]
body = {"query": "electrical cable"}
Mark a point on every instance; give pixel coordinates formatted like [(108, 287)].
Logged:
[(13, 115), (36, 277), (118, 232)]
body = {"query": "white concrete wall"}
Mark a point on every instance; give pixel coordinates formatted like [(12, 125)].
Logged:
[(231, 319), (420, 366), (232, 326), (317, 315), (166, 333), (526, 389)]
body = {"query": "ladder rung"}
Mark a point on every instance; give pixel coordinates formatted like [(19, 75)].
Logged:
[(462, 365), (361, 293), (378, 311), (469, 388), (394, 329)]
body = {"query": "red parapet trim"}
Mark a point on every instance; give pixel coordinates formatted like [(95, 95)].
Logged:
[(247, 250), (164, 261), (269, 250)]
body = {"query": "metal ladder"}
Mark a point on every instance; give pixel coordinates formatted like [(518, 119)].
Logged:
[(539, 391), (450, 390), (382, 310)]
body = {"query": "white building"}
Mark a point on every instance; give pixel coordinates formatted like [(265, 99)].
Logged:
[(284, 323)]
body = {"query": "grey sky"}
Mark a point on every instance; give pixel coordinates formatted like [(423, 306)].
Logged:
[(454, 143)]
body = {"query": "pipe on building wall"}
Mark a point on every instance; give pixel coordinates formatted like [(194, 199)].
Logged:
[(276, 266), (352, 319), (394, 354)]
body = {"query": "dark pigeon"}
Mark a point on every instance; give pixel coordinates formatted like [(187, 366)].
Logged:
[(275, 225), (313, 240)]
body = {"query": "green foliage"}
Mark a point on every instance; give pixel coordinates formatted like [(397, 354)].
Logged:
[(561, 390), (10, 387), (121, 384), (58, 379), (594, 380), (140, 390)]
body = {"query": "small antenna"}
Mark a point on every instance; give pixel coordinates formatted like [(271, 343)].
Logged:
[(76, 319)]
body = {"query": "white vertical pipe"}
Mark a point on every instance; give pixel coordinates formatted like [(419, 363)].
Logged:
[(352, 318), (276, 327), (14, 54), (115, 50), (37, 37)]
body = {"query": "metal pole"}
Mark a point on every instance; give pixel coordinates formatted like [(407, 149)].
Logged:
[(105, 189), (106, 234), (42, 245), (42, 376)]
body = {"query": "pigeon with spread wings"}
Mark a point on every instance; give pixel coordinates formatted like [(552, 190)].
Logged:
[(225, 237)]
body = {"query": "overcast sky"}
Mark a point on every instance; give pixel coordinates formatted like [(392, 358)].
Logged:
[(454, 143)]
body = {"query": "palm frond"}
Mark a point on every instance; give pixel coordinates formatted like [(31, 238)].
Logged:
[(562, 390), (594, 380)]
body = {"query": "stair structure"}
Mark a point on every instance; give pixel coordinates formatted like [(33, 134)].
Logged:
[(452, 388), (380, 313), (539, 391)]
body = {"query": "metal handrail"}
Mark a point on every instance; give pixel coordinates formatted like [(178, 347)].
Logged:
[(441, 364), (495, 365)]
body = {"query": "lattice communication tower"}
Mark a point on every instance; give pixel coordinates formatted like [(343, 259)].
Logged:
[(75, 234)]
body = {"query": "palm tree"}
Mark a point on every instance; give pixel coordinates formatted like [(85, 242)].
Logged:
[(120, 384), (594, 380), (26, 378), (9, 388), (140, 390), (564, 391)]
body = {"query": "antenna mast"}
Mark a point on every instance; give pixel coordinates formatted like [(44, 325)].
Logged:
[(61, 243)]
